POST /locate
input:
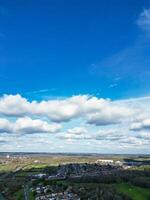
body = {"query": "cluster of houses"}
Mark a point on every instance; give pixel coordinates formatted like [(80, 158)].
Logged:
[(47, 193), (85, 169), (10, 159), (75, 170)]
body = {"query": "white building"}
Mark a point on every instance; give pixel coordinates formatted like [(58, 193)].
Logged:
[(103, 161)]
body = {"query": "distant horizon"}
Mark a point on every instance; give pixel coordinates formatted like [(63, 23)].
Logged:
[(81, 153)]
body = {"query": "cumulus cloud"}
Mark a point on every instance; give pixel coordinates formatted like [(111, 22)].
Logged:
[(122, 138), (110, 115), (111, 135), (144, 135), (96, 120), (132, 141), (14, 105), (56, 110), (95, 110), (27, 125), (5, 126), (101, 122), (141, 125), (75, 133)]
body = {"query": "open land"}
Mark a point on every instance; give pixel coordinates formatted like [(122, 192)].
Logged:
[(74, 176)]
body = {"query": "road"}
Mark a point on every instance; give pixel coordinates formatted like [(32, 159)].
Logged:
[(26, 192)]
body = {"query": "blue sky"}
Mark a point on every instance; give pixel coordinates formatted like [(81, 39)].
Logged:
[(55, 51)]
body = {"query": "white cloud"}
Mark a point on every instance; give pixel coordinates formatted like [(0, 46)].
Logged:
[(68, 136), (112, 85), (5, 126), (133, 141), (96, 110), (2, 142), (93, 110), (111, 135), (96, 120), (27, 125), (144, 135), (110, 115), (144, 20), (77, 130), (14, 105), (74, 134), (140, 125), (122, 138)]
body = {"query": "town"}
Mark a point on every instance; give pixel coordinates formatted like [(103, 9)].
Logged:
[(70, 177), (103, 168)]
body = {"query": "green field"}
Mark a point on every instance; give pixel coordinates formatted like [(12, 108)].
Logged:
[(136, 193), (19, 194)]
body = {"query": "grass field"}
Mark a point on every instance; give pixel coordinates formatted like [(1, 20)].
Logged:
[(136, 193), (19, 195)]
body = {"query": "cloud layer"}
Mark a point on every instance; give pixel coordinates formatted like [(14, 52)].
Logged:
[(95, 110), (27, 125), (83, 119)]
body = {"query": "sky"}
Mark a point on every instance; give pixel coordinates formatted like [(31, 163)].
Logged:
[(75, 76)]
